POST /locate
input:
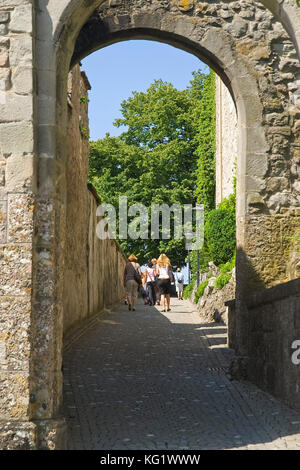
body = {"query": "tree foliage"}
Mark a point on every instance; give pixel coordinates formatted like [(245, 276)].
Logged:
[(159, 157)]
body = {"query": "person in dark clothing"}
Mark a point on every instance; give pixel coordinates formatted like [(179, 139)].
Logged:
[(150, 282), (130, 283)]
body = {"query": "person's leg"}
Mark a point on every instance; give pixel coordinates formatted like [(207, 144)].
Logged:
[(128, 294), (168, 291), (134, 295), (151, 293), (163, 302), (158, 295)]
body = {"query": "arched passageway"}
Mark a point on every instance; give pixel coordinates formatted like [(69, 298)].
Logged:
[(256, 58)]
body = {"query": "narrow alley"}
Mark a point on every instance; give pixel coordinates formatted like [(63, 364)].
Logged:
[(151, 380)]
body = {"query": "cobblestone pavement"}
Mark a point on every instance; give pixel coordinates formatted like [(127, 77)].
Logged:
[(150, 380)]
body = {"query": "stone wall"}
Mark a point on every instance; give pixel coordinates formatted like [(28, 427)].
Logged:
[(17, 188), (93, 268), (212, 303), (274, 324), (226, 141)]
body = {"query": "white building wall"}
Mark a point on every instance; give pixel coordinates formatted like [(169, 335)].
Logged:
[(226, 141)]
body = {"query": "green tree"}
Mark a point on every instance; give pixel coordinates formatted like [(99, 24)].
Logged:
[(155, 159)]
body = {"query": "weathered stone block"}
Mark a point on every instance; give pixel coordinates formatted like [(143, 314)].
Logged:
[(238, 27), (277, 184), (17, 137), (19, 172), (254, 50), (3, 58), (52, 434), (184, 5), (4, 17), (257, 165), (16, 108), (21, 19), (4, 79), (22, 79), (21, 51), (15, 332), (16, 264), (18, 435), (3, 29), (14, 395), (11, 3), (20, 214)]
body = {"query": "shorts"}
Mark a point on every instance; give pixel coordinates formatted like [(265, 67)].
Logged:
[(132, 288), (179, 287), (164, 286)]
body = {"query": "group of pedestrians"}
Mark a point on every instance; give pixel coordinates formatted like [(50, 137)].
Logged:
[(154, 283)]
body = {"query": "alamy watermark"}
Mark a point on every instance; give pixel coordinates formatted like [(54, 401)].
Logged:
[(154, 224), (296, 354)]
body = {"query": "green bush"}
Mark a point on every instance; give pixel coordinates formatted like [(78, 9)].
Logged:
[(219, 233), (188, 290), (227, 267), (222, 280), (200, 291)]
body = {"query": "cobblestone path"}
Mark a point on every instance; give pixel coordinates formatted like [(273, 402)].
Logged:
[(150, 380)]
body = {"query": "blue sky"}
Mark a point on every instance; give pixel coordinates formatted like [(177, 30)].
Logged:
[(117, 70)]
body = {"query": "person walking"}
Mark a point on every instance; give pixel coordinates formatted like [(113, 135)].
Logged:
[(179, 282), (144, 290), (132, 281), (150, 282), (156, 289), (164, 274)]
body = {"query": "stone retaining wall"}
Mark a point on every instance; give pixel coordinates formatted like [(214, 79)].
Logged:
[(93, 268), (274, 325), (212, 304)]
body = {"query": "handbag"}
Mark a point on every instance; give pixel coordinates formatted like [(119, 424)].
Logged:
[(171, 274), (137, 277)]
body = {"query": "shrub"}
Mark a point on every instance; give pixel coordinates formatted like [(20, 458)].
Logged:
[(222, 280), (227, 267), (220, 235), (188, 290), (200, 291)]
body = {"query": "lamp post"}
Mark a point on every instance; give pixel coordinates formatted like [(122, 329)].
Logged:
[(189, 268), (198, 269)]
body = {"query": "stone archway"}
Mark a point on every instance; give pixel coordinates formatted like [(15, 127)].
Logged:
[(257, 60)]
